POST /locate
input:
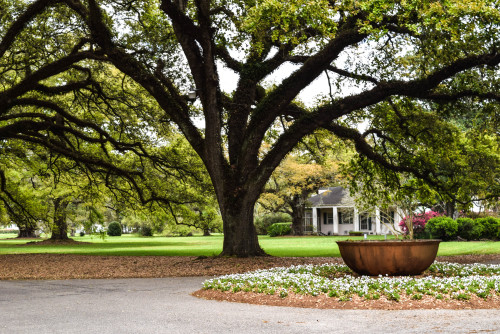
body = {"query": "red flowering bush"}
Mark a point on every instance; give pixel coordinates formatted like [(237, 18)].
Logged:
[(419, 221)]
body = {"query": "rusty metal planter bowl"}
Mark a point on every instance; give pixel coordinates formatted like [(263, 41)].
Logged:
[(394, 258)]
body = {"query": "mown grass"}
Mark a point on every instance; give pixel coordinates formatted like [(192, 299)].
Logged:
[(309, 246)]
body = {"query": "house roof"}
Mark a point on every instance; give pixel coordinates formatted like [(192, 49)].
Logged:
[(331, 196)]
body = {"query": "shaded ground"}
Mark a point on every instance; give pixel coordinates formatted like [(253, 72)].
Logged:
[(57, 266), (64, 266)]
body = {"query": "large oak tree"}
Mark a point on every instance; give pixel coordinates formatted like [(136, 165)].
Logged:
[(374, 52)]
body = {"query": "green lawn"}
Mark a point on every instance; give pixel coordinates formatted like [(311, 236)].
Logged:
[(209, 246), (7, 235)]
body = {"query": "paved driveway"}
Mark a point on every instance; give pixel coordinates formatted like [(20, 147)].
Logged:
[(165, 306)]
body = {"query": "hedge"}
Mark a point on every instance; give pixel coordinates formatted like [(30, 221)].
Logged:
[(469, 229), (444, 228), (278, 229), (490, 227)]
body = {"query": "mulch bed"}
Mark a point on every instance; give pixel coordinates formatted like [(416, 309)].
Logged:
[(356, 303), (64, 266)]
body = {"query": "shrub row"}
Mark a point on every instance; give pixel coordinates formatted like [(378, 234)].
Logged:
[(446, 228), (278, 229), (263, 223)]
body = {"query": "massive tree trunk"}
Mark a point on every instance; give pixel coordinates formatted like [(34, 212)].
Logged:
[(60, 226), (27, 231), (240, 236)]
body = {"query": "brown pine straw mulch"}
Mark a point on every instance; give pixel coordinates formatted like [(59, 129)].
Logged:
[(356, 303), (63, 266)]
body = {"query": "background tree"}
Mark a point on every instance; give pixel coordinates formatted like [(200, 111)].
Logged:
[(312, 165), (207, 219), (22, 190), (291, 185), (401, 52)]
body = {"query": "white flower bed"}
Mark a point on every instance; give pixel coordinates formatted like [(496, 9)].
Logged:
[(448, 280)]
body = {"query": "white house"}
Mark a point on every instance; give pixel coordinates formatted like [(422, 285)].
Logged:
[(333, 212), (10, 227)]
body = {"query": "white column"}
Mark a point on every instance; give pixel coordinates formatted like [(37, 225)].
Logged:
[(335, 221), (315, 220), (377, 221), (356, 219)]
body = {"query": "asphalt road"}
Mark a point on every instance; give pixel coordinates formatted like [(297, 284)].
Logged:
[(166, 306)]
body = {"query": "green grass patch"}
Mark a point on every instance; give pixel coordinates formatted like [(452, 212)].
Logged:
[(308, 246), (7, 235), (125, 245)]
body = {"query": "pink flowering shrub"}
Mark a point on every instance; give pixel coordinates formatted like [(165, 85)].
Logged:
[(419, 221)]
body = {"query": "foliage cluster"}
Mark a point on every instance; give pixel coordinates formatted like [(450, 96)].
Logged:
[(446, 228), (469, 229), (146, 231), (180, 231), (419, 220), (310, 167), (263, 222), (114, 229), (491, 227), (433, 225), (279, 229)]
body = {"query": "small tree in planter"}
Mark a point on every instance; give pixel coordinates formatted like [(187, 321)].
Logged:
[(407, 195), (391, 258)]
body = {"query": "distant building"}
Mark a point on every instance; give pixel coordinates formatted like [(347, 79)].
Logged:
[(11, 227), (333, 212)]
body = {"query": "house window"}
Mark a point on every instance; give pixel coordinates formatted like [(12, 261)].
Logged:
[(346, 215), (365, 222), (328, 218)]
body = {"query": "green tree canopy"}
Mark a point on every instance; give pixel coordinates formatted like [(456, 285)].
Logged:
[(68, 67)]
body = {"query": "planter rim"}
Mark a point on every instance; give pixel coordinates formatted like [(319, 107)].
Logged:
[(387, 242)]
